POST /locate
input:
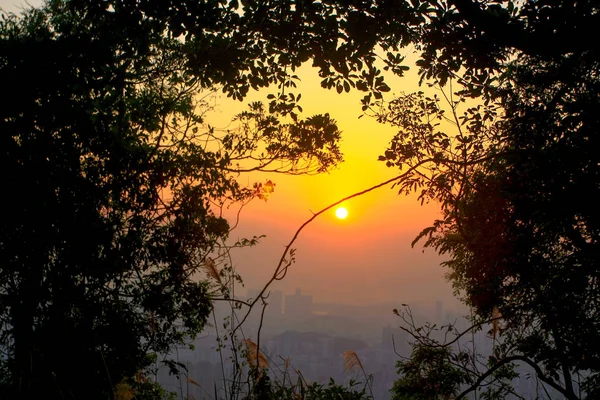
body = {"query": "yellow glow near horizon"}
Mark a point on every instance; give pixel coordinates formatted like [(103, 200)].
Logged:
[(341, 212)]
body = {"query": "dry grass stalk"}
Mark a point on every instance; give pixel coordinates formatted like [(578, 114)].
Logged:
[(212, 270), (255, 355), (351, 361), (193, 382), (495, 322)]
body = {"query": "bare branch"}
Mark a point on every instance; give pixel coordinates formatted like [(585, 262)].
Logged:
[(509, 360), (281, 268)]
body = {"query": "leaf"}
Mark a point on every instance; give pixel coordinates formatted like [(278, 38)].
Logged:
[(383, 87), (425, 232), (124, 392), (263, 192)]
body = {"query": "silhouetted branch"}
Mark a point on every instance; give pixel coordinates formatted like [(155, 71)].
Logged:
[(231, 301), (280, 266), (508, 360), (567, 40), (260, 325)]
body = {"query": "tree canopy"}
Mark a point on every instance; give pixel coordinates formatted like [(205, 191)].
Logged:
[(517, 178), (114, 185), (113, 175)]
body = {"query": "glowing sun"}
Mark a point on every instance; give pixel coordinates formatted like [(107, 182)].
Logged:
[(341, 212)]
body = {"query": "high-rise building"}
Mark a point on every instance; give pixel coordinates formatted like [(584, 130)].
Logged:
[(274, 301), (298, 304)]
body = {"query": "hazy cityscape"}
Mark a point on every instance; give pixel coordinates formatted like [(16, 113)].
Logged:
[(305, 338)]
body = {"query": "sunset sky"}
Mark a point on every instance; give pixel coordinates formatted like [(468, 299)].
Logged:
[(365, 258)]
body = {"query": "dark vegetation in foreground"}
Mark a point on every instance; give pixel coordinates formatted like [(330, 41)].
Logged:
[(114, 183)]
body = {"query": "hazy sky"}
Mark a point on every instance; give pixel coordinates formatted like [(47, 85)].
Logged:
[(16, 5), (365, 258)]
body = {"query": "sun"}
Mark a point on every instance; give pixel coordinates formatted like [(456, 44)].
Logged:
[(341, 212)]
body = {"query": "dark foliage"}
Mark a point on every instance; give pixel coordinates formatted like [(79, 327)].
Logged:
[(518, 183), (111, 188), (101, 120)]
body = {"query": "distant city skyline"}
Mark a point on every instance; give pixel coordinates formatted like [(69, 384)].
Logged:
[(313, 344)]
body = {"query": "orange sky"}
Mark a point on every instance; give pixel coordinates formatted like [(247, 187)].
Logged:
[(366, 257)]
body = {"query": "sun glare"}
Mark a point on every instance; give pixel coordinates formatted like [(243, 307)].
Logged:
[(341, 212)]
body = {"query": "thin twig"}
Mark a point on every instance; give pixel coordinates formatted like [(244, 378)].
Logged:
[(280, 266), (507, 360)]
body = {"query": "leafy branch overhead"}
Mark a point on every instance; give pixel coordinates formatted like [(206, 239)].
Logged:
[(512, 160)]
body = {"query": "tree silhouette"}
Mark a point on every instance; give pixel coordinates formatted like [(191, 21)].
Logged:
[(111, 181), (114, 184), (517, 181)]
